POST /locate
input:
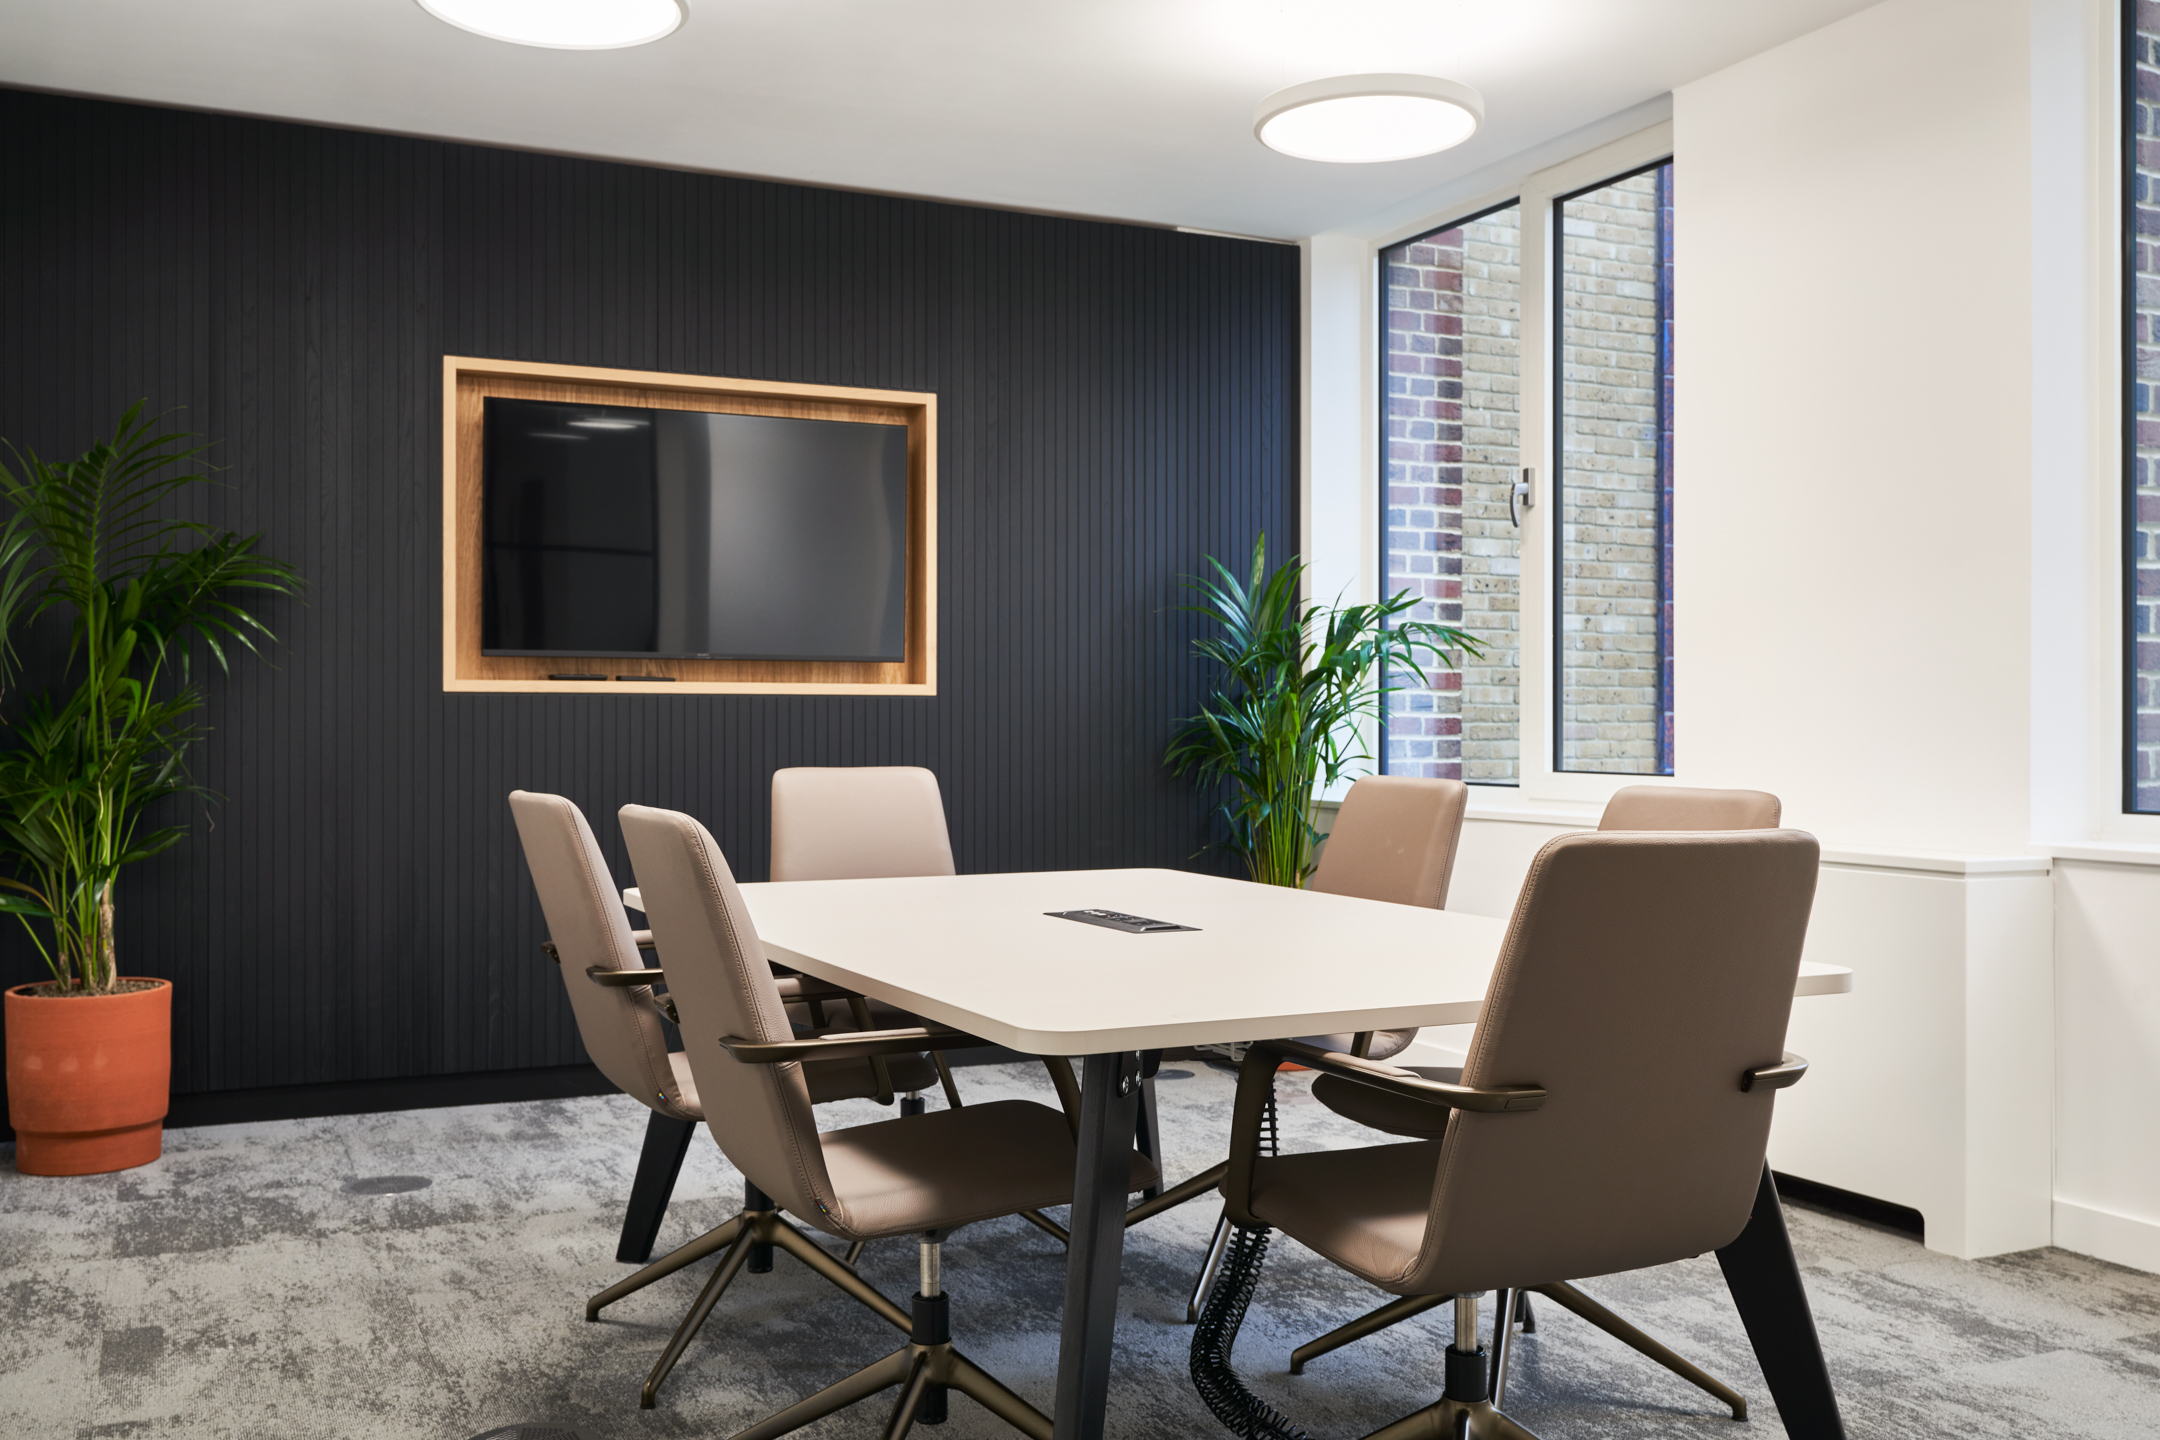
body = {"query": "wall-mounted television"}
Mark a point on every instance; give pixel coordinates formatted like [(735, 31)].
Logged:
[(616, 531)]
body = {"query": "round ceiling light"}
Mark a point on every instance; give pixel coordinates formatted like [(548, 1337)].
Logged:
[(1361, 119), (565, 24)]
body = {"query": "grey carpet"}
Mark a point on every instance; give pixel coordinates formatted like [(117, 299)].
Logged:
[(421, 1275)]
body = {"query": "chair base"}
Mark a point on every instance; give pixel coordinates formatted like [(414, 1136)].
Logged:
[(1446, 1419), (1561, 1293), (760, 1227), (925, 1369)]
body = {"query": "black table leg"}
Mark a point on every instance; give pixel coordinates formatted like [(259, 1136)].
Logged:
[(667, 1140), (1764, 1278), (1109, 1110)]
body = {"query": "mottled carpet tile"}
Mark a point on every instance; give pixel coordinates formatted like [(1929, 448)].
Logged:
[(421, 1276)]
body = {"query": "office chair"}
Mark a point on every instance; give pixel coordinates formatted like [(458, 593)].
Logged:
[(872, 822), (1613, 1113), (924, 1174), (1635, 808), (1394, 839), (618, 1018)]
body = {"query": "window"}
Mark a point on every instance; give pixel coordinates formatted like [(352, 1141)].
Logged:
[(1527, 477), (1613, 584), (1454, 445), (2141, 440)]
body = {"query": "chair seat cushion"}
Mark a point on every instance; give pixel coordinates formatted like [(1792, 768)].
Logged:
[(950, 1168), (829, 1080), (1363, 1209), (1384, 1042), (1382, 1110)]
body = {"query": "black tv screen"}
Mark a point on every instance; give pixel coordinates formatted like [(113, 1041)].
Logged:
[(620, 532)]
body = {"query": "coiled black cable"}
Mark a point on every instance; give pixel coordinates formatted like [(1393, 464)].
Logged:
[(1245, 1414)]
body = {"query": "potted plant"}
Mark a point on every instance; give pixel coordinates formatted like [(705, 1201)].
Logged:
[(89, 1051), (1297, 677)]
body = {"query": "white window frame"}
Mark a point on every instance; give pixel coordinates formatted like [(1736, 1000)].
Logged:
[(1538, 192)]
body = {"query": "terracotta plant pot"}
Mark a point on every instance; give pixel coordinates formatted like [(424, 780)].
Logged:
[(89, 1078)]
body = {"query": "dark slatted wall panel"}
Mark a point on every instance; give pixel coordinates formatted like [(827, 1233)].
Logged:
[(1114, 402)]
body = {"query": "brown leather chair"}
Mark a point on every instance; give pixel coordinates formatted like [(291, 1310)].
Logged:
[(1394, 840), (920, 1174), (590, 939), (1614, 1111), (1635, 807)]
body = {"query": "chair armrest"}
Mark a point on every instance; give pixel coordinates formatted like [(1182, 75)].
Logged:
[(804, 987), (1255, 1084), (643, 939), (849, 1045), (1410, 1086), (1786, 1072), (623, 979), (547, 948)]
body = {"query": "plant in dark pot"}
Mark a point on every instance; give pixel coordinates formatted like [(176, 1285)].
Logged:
[(93, 542), (1297, 679)]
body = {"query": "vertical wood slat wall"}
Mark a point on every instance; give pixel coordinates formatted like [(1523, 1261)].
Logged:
[(1115, 402)]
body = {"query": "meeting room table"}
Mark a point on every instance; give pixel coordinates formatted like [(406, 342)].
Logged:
[(996, 956)]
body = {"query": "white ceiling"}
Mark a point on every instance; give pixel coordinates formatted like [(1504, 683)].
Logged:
[(1127, 109)]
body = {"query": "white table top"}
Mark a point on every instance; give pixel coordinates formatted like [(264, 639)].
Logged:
[(979, 953)]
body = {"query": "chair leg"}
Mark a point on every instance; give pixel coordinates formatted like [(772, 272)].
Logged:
[(1177, 1194), (818, 1258), (854, 1254), (1371, 1323), (911, 1398), (708, 1297), (1573, 1299), (1504, 1313), (893, 1370), (944, 1075), (1048, 1226), (667, 1141), (718, 1238), (980, 1386), (1524, 1314), (1206, 1280)]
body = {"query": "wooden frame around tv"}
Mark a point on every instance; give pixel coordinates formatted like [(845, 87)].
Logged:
[(467, 382)]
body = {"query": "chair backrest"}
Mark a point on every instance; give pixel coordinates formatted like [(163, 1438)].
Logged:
[(1681, 807), (722, 984), (1640, 976), (587, 923), (1394, 839), (864, 822)]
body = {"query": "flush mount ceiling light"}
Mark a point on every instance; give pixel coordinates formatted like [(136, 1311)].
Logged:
[(565, 24), (1360, 119)]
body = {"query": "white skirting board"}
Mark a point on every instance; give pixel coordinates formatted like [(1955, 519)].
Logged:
[(2104, 1235)]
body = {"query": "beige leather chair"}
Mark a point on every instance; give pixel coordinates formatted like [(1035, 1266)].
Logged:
[(590, 939), (1614, 1111), (921, 1174), (1635, 807), (1394, 840)]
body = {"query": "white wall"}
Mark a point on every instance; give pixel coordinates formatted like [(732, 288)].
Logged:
[(1853, 358)]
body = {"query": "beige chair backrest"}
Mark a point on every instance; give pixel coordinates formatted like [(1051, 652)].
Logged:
[(587, 923), (866, 822), (1640, 976), (1680, 807), (1394, 839), (722, 984)]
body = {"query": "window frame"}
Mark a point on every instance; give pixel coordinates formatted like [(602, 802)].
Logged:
[(1538, 779), (2126, 385)]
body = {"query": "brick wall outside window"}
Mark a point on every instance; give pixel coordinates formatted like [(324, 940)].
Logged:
[(1614, 406), (1453, 371)]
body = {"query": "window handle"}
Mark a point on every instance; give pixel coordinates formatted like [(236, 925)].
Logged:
[(1521, 491)]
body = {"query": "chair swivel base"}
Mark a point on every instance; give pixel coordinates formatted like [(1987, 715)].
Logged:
[(749, 1239), (1561, 1293), (1446, 1419), (924, 1369)]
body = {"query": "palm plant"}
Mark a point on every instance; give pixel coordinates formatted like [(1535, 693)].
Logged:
[(85, 759), (1297, 677)]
